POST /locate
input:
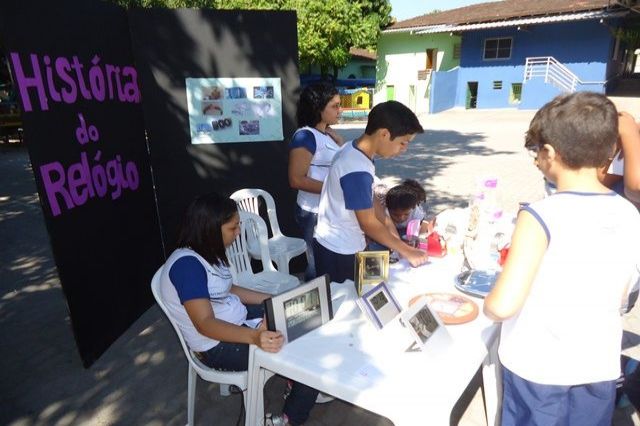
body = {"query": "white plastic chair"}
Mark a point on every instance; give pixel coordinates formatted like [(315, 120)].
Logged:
[(269, 280), (196, 368), (281, 248)]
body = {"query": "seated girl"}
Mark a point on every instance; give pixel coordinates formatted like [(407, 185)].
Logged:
[(218, 319)]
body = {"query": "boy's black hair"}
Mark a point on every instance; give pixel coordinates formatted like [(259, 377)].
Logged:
[(313, 99), (421, 194), (582, 127), (401, 197), (395, 117), (201, 226)]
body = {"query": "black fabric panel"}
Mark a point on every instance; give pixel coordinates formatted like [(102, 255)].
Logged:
[(171, 45), (106, 247)]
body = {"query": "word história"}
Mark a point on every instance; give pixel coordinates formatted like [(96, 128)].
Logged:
[(65, 80)]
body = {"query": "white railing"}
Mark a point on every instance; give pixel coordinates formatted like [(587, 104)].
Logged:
[(553, 72)]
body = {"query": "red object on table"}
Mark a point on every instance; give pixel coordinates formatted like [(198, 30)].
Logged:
[(504, 251), (436, 245)]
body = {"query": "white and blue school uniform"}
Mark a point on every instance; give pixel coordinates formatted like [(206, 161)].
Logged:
[(323, 148), (569, 329), (187, 276), (348, 187)]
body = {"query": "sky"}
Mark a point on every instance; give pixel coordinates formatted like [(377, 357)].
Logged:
[(405, 9)]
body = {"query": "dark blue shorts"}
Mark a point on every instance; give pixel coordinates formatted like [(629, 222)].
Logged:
[(338, 266), (527, 403)]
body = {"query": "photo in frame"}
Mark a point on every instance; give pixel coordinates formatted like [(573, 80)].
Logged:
[(424, 324), (371, 267), (300, 310), (380, 305)]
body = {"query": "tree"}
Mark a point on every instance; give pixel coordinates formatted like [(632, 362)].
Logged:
[(326, 29)]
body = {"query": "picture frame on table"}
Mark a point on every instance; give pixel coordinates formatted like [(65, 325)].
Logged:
[(424, 324), (371, 267), (380, 305), (300, 310)]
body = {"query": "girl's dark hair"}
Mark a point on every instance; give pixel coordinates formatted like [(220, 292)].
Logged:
[(313, 99), (421, 194), (201, 226), (401, 197)]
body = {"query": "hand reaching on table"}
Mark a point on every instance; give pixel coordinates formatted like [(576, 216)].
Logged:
[(416, 257)]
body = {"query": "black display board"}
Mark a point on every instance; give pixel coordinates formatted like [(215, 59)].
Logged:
[(172, 45), (83, 126)]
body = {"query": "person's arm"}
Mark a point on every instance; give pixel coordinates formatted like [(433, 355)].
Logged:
[(630, 141), (301, 151), (299, 162), (249, 297), (528, 245), (334, 135), (189, 278), (201, 315), (380, 211), (357, 189), (378, 232)]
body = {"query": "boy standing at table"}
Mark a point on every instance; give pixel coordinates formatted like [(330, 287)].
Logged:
[(346, 211), (572, 262)]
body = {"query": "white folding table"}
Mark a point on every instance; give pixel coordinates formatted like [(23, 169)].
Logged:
[(352, 360)]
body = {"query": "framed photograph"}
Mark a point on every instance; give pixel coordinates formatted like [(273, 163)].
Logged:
[(371, 267), (380, 305), (424, 324), (298, 311)]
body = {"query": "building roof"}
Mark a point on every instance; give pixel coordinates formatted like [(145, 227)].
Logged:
[(497, 11), (363, 53)]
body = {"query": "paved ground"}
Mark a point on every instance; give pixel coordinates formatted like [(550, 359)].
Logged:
[(141, 379)]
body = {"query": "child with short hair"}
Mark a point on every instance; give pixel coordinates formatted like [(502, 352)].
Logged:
[(346, 213), (572, 261), (404, 203)]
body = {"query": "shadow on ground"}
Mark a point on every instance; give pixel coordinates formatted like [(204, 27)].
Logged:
[(428, 156)]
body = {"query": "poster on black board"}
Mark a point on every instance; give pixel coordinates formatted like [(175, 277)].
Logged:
[(80, 97)]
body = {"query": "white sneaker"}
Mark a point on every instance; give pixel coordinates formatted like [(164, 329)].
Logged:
[(324, 398), (276, 420)]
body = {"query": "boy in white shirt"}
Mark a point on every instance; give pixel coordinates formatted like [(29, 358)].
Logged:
[(346, 211), (573, 259)]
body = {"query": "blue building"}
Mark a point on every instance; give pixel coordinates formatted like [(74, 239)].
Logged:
[(520, 53)]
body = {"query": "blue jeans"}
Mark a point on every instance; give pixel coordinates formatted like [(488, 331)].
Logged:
[(307, 222), (227, 356), (526, 403)]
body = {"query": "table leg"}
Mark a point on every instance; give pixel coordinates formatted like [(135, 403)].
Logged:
[(254, 390), (492, 385)]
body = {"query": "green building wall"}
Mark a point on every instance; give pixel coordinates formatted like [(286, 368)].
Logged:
[(400, 58)]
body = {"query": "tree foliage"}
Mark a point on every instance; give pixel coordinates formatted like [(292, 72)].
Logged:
[(326, 29)]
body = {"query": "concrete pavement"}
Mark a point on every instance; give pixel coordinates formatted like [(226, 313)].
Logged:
[(142, 379)]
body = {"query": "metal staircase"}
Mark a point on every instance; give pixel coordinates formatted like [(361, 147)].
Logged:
[(554, 73)]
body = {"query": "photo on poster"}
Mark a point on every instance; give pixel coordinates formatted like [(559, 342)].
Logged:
[(212, 93), (212, 108), (236, 93), (226, 110), (263, 92), (251, 127)]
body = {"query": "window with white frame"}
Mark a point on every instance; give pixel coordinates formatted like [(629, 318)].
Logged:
[(497, 48)]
